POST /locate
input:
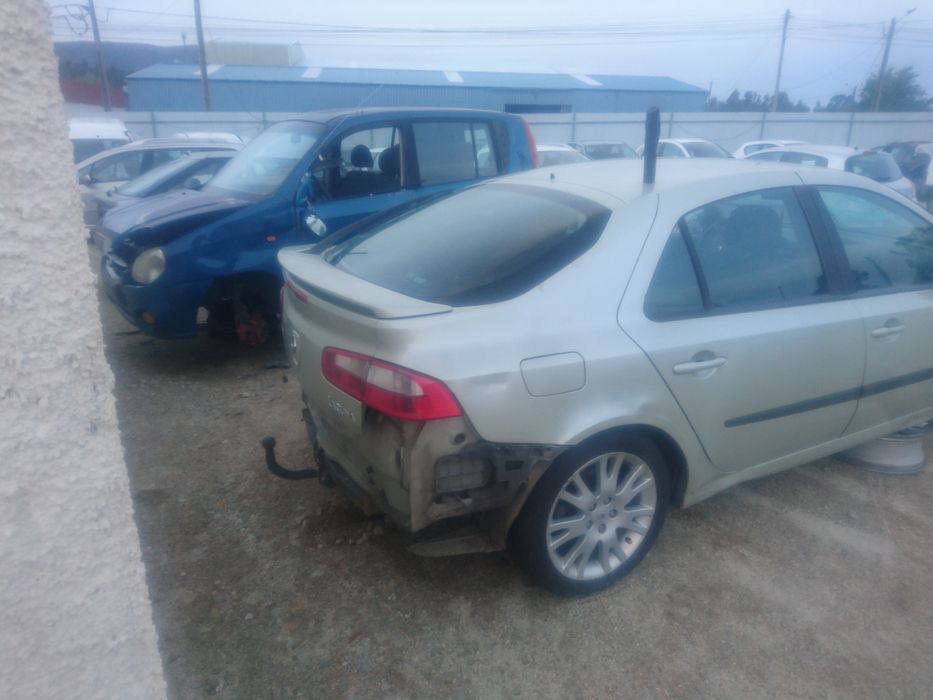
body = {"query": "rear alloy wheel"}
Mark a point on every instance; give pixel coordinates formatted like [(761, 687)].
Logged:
[(594, 516)]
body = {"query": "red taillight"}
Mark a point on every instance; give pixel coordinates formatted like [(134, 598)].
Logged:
[(388, 388), (531, 144)]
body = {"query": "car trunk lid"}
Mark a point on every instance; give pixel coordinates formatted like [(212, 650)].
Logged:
[(313, 276)]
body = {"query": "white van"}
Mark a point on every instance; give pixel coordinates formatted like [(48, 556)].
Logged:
[(90, 136)]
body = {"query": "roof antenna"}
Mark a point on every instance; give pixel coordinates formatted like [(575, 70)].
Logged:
[(652, 135)]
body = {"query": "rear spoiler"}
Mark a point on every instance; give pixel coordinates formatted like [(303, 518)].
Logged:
[(311, 274)]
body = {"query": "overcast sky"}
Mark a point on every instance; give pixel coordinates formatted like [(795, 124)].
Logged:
[(832, 44)]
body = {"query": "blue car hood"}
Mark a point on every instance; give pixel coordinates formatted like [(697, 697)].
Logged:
[(170, 215)]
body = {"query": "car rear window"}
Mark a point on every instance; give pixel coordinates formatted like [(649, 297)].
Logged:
[(479, 246), (879, 166), (704, 149)]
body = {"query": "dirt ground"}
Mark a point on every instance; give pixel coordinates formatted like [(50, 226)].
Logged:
[(815, 583)]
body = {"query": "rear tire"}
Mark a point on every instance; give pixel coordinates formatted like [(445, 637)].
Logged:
[(593, 516)]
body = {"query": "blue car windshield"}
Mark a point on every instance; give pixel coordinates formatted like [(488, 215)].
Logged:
[(268, 159)]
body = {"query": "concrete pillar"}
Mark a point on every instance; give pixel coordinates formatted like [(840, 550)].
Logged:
[(75, 615)]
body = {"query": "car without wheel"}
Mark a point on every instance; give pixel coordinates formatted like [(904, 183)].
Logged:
[(551, 360), (170, 256)]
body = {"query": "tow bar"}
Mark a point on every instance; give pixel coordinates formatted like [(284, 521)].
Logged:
[(268, 444)]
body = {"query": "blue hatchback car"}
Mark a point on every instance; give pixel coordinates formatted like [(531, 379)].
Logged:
[(168, 256)]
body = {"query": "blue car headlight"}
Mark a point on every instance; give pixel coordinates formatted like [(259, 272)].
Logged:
[(148, 266)]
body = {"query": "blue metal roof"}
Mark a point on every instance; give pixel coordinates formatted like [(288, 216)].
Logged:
[(420, 78)]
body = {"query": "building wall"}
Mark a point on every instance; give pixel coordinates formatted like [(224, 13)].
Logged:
[(75, 617), (160, 94)]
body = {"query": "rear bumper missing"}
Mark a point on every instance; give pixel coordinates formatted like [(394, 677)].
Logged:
[(429, 475)]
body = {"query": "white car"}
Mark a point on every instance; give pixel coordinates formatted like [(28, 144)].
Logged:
[(746, 149), (688, 148), (551, 154), (552, 359), (110, 169), (877, 165), (89, 136)]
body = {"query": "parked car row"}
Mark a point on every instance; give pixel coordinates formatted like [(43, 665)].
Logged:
[(215, 249), (495, 355)]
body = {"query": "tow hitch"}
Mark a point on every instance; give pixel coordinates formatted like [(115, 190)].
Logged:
[(268, 444)]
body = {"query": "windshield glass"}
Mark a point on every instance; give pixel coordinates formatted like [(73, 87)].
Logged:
[(479, 246), (705, 149), (602, 151), (876, 165), (142, 186), (268, 159), (548, 158)]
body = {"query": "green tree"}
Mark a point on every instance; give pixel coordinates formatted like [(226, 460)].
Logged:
[(900, 92)]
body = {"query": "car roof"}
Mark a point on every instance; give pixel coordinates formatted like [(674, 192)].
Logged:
[(817, 150), (555, 147), (329, 115), (622, 179), (684, 141), (201, 155), (156, 143), (97, 128)]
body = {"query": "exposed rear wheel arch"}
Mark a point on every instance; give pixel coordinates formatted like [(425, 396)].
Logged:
[(244, 307)]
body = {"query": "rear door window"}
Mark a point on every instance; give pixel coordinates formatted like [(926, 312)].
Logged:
[(887, 245), (477, 246), (755, 250), (674, 291), (454, 151)]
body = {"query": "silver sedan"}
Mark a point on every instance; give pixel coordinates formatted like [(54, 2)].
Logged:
[(551, 360)]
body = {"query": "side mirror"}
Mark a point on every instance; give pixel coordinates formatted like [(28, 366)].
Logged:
[(193, 183), (315, 225), (85, 177)]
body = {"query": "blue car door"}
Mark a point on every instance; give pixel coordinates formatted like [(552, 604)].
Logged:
[(360, 172)]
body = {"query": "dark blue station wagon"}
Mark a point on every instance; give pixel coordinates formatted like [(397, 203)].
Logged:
[(167, 256)]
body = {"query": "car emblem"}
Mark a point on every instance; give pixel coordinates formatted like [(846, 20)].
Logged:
[(339, 408)]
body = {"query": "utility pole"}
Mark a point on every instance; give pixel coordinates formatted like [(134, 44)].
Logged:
[(876, 102), (101, 69), (197, 24), (777, 83)]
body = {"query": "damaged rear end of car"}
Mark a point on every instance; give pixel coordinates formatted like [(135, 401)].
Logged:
[(395, 440)]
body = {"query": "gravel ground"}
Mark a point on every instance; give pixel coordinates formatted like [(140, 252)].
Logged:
[(815, 583)]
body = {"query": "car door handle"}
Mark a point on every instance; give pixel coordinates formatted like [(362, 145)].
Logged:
[(698, 366), (886, 331)]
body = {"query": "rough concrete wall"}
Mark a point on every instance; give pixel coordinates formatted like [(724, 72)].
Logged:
[(75, 617)]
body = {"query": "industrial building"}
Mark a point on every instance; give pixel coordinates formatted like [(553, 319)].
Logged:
[(264, 88)]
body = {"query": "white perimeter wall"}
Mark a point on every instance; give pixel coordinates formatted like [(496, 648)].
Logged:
[(75, 617), (729, 129)]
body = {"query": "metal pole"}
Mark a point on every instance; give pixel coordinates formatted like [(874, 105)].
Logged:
[(101, 69), (777, 83), (876, 102), (200, 30)]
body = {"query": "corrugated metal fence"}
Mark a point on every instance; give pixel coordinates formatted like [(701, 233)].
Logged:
[(729, 129)]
